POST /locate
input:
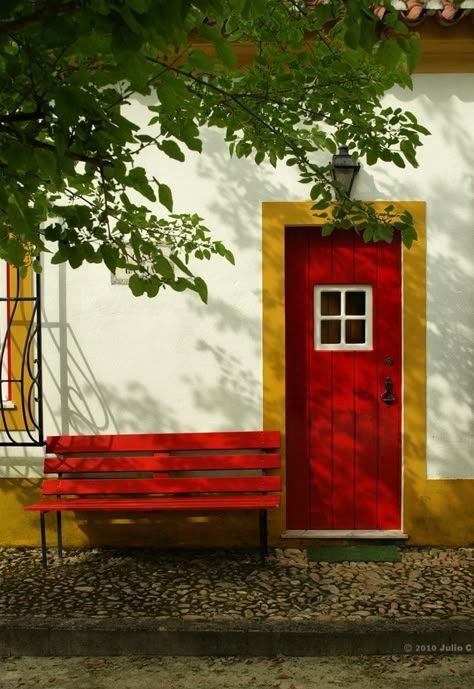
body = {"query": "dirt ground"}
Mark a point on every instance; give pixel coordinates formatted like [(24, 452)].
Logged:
[(374, 672)]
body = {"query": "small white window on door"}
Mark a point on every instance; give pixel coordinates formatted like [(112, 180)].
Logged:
[(343, 317)]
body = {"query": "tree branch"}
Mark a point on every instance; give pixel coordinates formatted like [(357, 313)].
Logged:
[(79, 157), (296, 151), (50, 10), (22, 117)]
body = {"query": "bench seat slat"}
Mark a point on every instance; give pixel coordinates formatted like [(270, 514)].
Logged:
[(207, 502), (124, 486), (153, 442), (70, 465)]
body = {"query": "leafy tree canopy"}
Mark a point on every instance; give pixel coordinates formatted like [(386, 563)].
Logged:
[(69, 151)]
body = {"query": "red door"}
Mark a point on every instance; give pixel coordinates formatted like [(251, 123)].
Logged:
[(343, 381)]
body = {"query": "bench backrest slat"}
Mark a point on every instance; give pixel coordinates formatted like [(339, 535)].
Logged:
[(156, 463), (127, 486), (181, 464), (154, 442)]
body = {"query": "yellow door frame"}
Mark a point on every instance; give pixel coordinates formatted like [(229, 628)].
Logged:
[(434, 511)]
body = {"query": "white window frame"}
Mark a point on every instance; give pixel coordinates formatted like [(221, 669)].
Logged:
[(342, 317)]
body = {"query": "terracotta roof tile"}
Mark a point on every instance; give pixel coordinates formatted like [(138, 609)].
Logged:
[(414, 12)]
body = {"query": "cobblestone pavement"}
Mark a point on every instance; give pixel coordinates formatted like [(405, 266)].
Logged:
[(428, 583)]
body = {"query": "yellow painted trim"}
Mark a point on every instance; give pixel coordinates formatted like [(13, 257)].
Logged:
[(18, 337), (434, 512)]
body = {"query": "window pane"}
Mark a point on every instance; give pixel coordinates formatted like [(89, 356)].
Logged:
[(355, 332), (330, 303), (330, 332), (355, 303)]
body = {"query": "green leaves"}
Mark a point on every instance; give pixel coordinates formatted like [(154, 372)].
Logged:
[(201, 288), (70, 146), (352, 36), (110, 256), (138, 180), (165, 196), (139, 6), (14, 252), (201, 61), (163, 267), (171, 149), (223, 49), (414, 52), (171, 91), (389, 54), (137, 285)]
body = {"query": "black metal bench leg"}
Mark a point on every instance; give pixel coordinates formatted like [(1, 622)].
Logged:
[(263, 535), (44, 559), (59, 529)]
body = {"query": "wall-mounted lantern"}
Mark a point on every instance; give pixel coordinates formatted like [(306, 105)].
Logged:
[(345, 170)]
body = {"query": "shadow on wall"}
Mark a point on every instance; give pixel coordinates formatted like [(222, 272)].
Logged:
[(450, 316), (450, 298), (239, 187), (230, 318), (237, 200), (78, 402), (236, 397), (87, 406)]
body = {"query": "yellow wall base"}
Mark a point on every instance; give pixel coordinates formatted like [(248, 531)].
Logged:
[(440, 516), (170, 530), (439, 512)]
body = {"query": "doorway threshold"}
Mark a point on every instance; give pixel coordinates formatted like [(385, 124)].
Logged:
[(388, 534)]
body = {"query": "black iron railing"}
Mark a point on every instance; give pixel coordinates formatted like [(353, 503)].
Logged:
[(21, 399)]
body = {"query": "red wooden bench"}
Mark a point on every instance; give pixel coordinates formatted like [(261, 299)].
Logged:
[(160, 472)]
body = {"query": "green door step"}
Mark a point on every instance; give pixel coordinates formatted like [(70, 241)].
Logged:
[(354, 553)]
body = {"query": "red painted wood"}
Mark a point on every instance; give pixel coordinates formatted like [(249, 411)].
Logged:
[(343, 256), (208, 502), (154, 442), (343, 397), (389, 438), (70, 465), (297, 303), (355, 440), (126, 486), (139, 495), (366, 402), (320, 397)]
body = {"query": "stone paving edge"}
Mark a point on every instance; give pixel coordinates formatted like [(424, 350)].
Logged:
[(150, 637)]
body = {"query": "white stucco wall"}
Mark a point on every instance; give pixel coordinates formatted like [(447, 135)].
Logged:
[(445, 180), (115, 363)]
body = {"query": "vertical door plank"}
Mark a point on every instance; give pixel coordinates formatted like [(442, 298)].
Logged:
[(389, 345), (296, 344), (320, 396), (366, 402), (343, 396)]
